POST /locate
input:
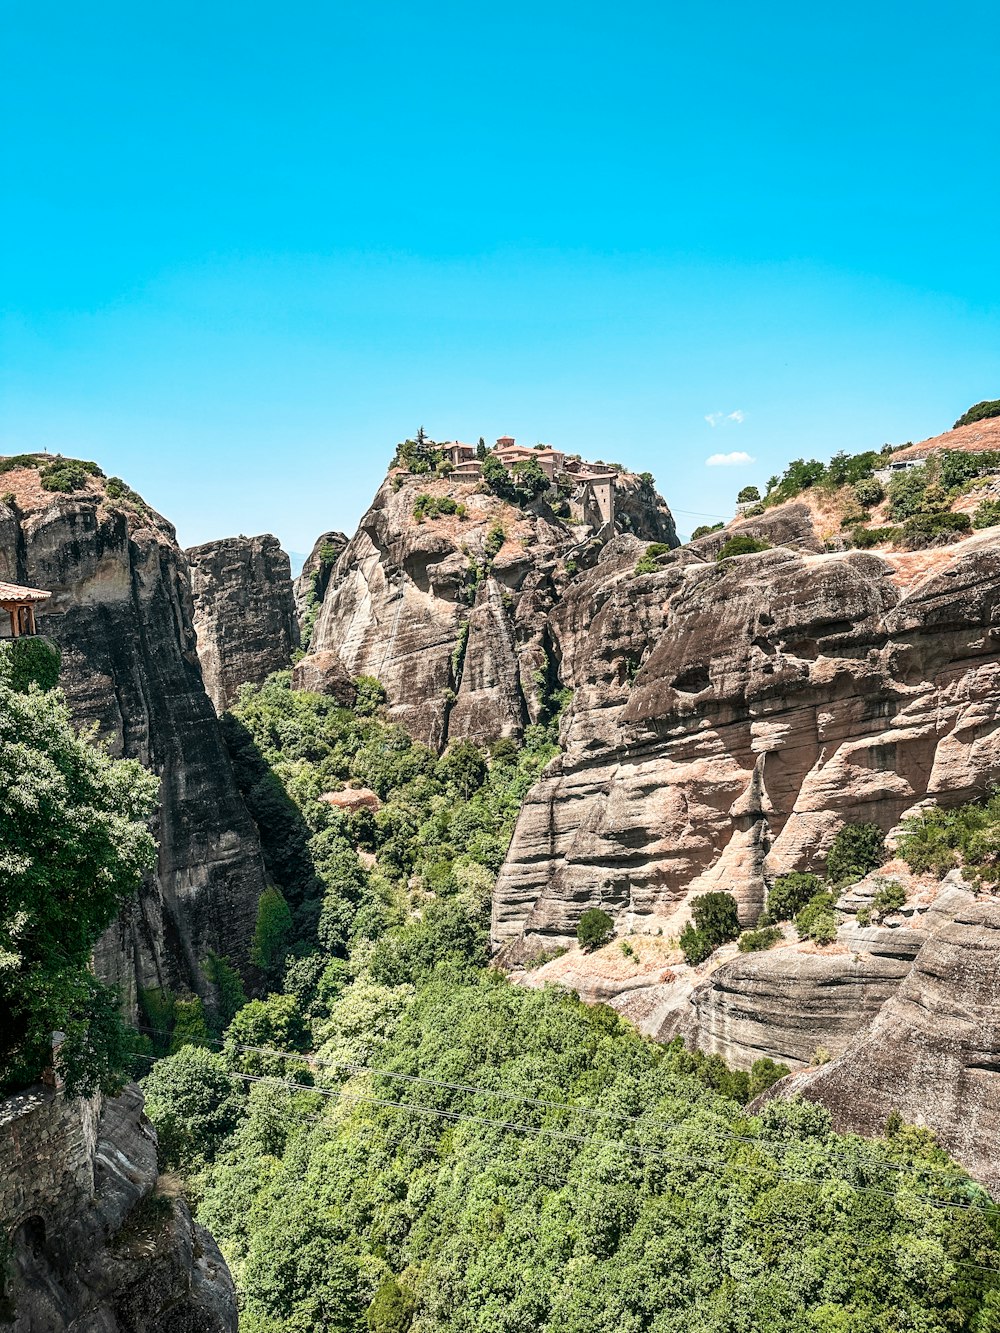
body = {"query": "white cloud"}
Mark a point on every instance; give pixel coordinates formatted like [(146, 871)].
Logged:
[(738, 416), (736, 459)]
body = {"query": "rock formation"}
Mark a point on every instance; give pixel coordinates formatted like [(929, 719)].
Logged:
[(121, 613), (244, 613), (450, 610), (729, 717), (932, 1054), (309, 588), (93, 1248)]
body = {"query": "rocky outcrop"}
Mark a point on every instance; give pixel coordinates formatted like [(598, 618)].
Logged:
[(95, 1249), (121, 612), (728, 718), (933, 1051), (788, 1003), (244, 613), (450, 610), (309, 588)]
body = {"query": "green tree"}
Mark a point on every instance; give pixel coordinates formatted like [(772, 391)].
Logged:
[(979, 412), (195, 1103), (748, 495), (818, 920), (856, 850), (74, 847), (228, 984), (594, 929), (393, 1308), (272, 934), (789, 894), (716, 915), (742, 546), (274, 1024), (190, 1027)]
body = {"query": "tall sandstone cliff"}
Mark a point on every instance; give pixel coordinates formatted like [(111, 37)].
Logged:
[(451, 612), (121, 612), (728, 718), (244, 612)]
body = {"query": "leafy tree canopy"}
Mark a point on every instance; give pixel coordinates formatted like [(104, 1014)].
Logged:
[(73, 847)]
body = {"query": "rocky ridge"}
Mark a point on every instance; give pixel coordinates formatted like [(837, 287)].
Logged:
[(728, 718), (244, 612), (122, 614), (94, 1247), (450, 611)]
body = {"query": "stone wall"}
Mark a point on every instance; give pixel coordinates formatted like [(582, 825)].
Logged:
[(47, 1148)]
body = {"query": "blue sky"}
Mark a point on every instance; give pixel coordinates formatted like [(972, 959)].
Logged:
[(247, 248)]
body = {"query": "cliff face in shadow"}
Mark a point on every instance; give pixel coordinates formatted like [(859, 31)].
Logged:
[(121, 612), (93, 1248)]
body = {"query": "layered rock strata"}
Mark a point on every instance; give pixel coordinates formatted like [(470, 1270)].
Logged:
[(244, 612), (121, 612), (450, 610), (932, 1053), (93, 1248), (729, 717)]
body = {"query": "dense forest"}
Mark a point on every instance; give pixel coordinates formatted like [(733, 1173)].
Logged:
[(393, 1136)]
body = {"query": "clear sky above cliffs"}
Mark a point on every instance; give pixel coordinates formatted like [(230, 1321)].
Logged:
[(247, 248)]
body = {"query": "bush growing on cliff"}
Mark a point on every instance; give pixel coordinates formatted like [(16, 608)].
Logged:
[(752, 941), (987, 514), (818, 920), (788, 895), (741, 546), (715, 921), (925, 530), (856, 849), (272, 934), (594, 929), (869, 492), (748, 495), (74, 847), (968, 836)]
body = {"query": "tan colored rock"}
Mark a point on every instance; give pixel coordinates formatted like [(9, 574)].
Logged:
[(727, 719), (352, 799), (933, 1051), (459, 636)]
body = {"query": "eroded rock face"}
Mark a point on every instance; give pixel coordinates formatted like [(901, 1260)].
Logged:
[(94, 1251), (788, 1003), (728, 718), (451, 613), (933, 1051), (244, 612), (310, 586), (121, 612)]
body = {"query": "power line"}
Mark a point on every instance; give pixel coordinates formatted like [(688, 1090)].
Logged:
[(568, 1136), (571, 1108)]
